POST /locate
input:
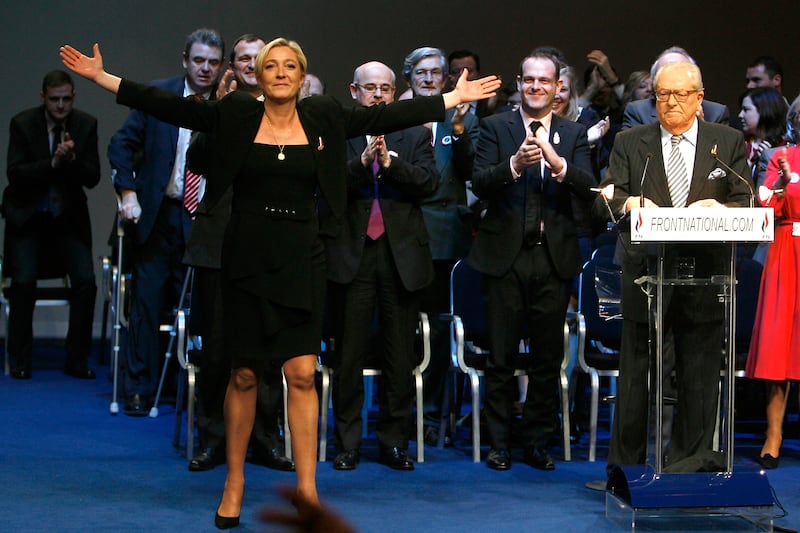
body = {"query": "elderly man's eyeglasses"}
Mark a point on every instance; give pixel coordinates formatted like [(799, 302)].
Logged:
[(371, 88), (662, 95)]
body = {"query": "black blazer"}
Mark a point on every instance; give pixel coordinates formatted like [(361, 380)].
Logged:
[(626, 166), (235, 119), (274, 263), (410, 177), (30, 174), (500, 233)]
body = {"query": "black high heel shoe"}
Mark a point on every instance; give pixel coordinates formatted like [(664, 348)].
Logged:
[(768, 462), (225, 522)]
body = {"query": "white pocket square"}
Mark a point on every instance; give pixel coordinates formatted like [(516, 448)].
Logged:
[(717, 173)]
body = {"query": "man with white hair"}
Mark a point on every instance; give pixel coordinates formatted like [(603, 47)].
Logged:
[(644, 111)]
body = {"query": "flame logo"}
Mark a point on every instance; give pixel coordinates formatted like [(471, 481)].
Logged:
[(765, 224), (639, 222)]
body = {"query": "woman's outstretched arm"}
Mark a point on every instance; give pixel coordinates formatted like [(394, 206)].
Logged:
[(90, 68)]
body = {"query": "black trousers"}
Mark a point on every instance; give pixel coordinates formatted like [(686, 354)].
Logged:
[(376, 283), (158, 274), (46, 238), (698, 358), (529, 300)]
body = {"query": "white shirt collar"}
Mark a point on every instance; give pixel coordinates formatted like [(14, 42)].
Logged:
[(546, 120), (689, 135)]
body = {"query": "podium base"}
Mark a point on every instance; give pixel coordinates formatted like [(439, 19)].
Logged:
[(735, 501)]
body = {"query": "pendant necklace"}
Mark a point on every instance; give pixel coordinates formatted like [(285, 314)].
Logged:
[(281, 155)]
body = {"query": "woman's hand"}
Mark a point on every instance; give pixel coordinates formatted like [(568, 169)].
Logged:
[(471, 91), (90, 68)]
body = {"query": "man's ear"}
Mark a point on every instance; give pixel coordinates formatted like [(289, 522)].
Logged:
[(353, 90)]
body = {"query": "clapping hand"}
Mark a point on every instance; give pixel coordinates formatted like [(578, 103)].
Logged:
[(64, 152)]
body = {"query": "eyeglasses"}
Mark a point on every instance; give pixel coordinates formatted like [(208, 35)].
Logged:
[(371, 88), (434, 72), (662, 95)]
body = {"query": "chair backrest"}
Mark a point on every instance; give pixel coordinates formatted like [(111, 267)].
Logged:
[(599, 297), (466, 301)]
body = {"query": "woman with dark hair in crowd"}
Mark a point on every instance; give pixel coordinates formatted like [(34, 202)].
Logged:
[(763, 116)]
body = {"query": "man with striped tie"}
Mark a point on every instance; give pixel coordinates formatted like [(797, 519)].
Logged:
[(149, 166), (673, 163)]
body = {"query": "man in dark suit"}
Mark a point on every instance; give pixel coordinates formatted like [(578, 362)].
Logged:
[(147, 157), (644, 111), (693, 316), (204, 253), (447, 218), (380, 257), (52, 156), (527, 165)]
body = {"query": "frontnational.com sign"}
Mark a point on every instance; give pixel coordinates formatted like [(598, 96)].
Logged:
[(701, 224)]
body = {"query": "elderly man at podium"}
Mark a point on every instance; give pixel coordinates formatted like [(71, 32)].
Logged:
[(681, 161)]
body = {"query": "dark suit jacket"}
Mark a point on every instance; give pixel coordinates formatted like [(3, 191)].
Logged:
[(142, 156), (644, 112), (500, 233), (233, 123), (625, 172), (30, 174), (446, 214), (204, 246), (409, 178)]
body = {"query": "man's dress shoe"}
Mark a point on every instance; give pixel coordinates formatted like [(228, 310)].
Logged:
[(272, 459), (539, 458), (79, 370), (498, 459), (136, 405), (205, 460), (20, 373), (346, 460), (396, 458)]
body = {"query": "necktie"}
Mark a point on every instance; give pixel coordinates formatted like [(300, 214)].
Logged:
[(532, 223), (191, 184), (537, 168), (57, 129), (53, 202), (375, 227), (677, 177)]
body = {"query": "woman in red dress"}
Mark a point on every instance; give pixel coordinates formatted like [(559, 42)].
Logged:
[(775, 346)]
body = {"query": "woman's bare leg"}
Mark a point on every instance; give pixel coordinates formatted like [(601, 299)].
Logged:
[(240, 412), (303, 413), (777, 392)]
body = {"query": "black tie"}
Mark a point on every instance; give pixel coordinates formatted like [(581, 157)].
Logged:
[(533, 200), (56, 138)]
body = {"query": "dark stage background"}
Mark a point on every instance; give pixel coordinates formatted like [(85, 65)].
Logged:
[(143, 40)]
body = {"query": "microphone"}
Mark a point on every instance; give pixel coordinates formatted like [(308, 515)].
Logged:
[(641, 182), (714, 153)]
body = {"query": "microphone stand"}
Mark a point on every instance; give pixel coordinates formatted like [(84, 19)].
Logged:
[(729, 169)]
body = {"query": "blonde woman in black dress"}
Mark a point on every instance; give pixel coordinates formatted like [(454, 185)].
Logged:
[(277, 154)]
